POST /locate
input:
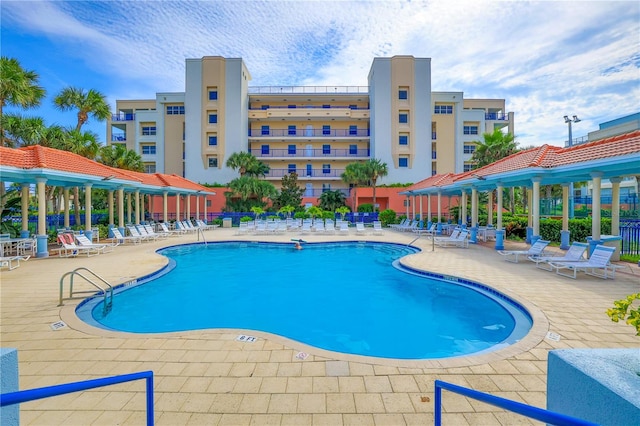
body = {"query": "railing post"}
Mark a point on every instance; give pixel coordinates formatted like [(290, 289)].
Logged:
[(437, 402), (150, 419)]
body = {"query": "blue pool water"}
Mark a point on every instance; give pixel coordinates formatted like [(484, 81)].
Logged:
[(343, 297)]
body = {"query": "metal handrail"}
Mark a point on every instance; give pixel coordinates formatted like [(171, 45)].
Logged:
[(12, 398), (536, 413), (108, 292)]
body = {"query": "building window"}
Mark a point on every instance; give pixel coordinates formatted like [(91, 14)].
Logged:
[(291, 106), (403, 94), (403, 117), (403, 139), (326, 168), (353, 130), (264, 149), (292, 130), (149, 167), (326, 187), (326, 149), (443, 109), (175, 109), (434, 172), (291, 168), (467, 167), (148, 149), (213, 118), (470, 130), (326, 106), (148, 130), (353, 149), (213, 95), (403, 162), (434, 155), (469, 149), (213, 140), (213, 161), (353, 106), (291, 150), (265, 131), (326, 130), (264, 107)]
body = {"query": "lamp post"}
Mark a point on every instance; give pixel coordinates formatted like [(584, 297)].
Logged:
[(569, 121)]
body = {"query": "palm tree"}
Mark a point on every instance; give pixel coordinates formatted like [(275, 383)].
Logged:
[(247, 163), (331, 200), (86, 103), (18, 87), (375, 169), (354, 176), (120, 157), (494, 146), (342, 211)]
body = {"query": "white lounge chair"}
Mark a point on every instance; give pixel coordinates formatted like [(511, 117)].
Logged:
[(600, 260), (171, 232), (537, 249), (83, 241), (377, 228), (152, 231), (360, 229), (71, 249), (121, 239), (12, 262), (404, 222), (574, 253), (142, 231), (343, 228), (460, 240), (427, 231)]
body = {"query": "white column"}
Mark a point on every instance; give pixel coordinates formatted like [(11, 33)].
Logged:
[(24, 206), (490, 208), (429, 206), (408, 201), (421, 213), (42, 206), (204, 207), (121, 207), (529, 212), (615, 205), (177, 206), (137, 207), (565, 206), (463, 208), (164, 206), (87, 207), (128, 207), (197, 206), (188, 197), (66, 197), (110, 202), (499, 192), (439, 207), (151, 209), (474, 207), (535, 207), (596, 228)]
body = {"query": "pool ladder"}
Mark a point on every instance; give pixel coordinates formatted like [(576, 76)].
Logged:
[(91, 277), (201, 232)]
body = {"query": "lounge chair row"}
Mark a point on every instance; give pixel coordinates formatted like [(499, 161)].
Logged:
[(573, 261), (73, 245)]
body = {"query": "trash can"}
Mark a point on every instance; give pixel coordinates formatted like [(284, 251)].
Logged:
[(227, 222), (609, 241)]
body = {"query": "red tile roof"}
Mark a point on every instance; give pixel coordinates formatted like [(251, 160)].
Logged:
[(40, 157)]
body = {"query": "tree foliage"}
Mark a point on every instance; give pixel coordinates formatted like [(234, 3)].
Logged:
[(332, 200), (247, 164), (89, 103), (290, 193), (494, 146)]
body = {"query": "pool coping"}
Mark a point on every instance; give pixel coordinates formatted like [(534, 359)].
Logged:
[(537, 333)]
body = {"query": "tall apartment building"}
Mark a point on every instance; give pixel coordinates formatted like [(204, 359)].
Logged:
[(312, 131)]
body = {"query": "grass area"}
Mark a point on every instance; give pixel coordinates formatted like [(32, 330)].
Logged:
[(635, 258)]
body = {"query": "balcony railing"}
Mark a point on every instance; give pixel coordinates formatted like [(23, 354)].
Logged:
[(123, 117), (308, 133), (119, 137), (275, 90), (311, 153), (304, 173), (496, 116), (316, 193)]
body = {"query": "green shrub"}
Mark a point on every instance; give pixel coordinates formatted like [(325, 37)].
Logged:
[(246, 219), (387, 217), (365, 208)]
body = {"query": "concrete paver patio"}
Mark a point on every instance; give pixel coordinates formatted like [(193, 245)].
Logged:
[(209, 378)]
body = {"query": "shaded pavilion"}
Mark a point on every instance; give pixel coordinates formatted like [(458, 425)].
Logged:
[(612, 158), (44, 166)]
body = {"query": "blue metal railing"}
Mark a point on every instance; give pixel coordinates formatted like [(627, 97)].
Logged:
[(12, 398), (311, 153), (517, 407), (308, 133), (308, 89)]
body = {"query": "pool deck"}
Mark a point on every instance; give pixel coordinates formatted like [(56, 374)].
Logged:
[(209, 378)]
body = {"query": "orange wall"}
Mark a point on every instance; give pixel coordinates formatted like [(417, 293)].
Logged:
[(388, 198), (217, 203)]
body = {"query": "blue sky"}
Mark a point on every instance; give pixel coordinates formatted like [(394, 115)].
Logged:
[(547, 59)]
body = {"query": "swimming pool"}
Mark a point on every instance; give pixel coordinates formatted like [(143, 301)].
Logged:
[(343, 297)]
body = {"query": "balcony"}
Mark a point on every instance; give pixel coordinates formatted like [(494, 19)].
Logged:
[(316, 193), (308, 133), (123, 117), (310, 153), (119, 137), (498, 116), (306, 173), (322, 90)]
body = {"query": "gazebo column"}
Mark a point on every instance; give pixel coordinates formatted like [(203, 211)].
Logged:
[(565, 234), (596, 228), (529, 216), (188, 198), (197, 206), (439, 228), (165, 215), (204, 208), (474, 216), (406, 203), (429, 209), (136, 197), (615, 205), (151, 209), (87, 211), (421, 212), (24, 199), (42, 237), (499, 230), (535, 209), (128, 207), (65, 198), (111, 211), (490, 208), (177, 207), (120, 211), (463, 209)]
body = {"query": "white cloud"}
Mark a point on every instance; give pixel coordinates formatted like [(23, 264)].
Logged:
[(546, 59)]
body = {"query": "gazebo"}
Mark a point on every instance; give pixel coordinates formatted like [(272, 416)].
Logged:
[(44, 166)]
